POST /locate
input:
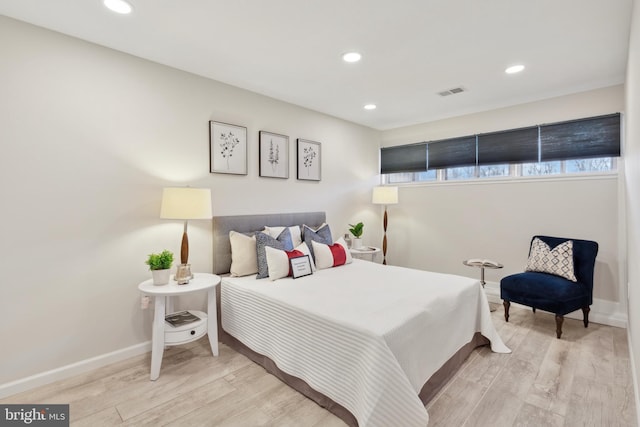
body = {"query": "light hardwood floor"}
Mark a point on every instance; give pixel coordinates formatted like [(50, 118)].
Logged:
[(584, 379)]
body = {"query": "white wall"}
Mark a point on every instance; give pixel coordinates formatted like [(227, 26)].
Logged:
[(437, 226), (90, 136), (632, 186)]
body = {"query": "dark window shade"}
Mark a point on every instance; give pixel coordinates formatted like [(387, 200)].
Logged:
[(452, 152), (510, 146), (404, 158), (579, 139)]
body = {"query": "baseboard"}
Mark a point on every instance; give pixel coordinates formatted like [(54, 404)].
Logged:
[(603, 312), (634, 377), (24, 384)]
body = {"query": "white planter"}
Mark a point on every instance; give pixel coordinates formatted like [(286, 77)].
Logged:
[(161, 277), (356, 243)]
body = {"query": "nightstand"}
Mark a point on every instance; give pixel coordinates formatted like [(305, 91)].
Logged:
[(164, 334), (366, 252), (482, 264)]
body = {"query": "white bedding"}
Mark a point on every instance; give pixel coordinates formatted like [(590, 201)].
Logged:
[(366, 335)]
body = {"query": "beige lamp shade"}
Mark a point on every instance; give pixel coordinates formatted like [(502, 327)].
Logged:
[(186, 203), (384, 195)]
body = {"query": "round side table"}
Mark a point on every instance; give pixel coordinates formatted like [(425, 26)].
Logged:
[(164, 333), (365, 251), (482, 265)]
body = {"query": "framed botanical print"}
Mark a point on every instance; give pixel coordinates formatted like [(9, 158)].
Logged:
[(309, 161), (227, 148), (274, 155)]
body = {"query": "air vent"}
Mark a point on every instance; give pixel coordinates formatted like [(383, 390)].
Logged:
[(452, 91)]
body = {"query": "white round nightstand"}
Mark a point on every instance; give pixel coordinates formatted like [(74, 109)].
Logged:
[(366, 252), (166, 334)]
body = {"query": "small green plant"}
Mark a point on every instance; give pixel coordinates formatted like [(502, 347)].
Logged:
[(356, 229), (161, 261)]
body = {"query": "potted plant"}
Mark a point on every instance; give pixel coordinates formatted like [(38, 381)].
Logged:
[(356, 230), (160, 266)]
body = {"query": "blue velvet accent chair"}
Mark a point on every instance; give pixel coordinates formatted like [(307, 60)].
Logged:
[(552, 293)]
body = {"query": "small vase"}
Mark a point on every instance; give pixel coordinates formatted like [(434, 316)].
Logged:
[(161, 277), (356, 243)]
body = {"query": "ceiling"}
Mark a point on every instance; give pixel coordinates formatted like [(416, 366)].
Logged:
[(412, 49)]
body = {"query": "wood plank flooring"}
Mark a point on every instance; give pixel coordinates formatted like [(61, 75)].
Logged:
[(584, 379)]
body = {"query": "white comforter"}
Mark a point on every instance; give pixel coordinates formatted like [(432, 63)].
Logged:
[(366, 335)]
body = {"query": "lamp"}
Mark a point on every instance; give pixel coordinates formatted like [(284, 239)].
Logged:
[(385, 196), (185, 203)]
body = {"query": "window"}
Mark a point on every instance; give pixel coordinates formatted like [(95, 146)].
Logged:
[(404, 177), (493, 171), (600, 164), (426, 176), (541, 168), (587, 145), (464, 172)]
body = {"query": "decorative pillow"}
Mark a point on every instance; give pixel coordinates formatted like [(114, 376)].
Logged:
[(328, 256), (263, 241), (278, 260), (243, 254), (285, 238), (321, 235), (296, 235), (557, 261)]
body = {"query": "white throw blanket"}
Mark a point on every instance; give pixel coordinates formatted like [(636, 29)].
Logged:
[(366, 335)]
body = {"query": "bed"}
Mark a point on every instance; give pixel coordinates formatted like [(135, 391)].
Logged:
[(369, 342)]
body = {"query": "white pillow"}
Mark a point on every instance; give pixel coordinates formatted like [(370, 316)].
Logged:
[(244, 260), (296, 235), (278, 261), (557, 261), (325, 256)]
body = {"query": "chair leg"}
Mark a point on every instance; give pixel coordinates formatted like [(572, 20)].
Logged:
[(585, 313), (534, 309), (559, 320), (506, 310)]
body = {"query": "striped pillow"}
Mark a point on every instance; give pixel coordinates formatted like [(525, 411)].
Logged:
[(328, 256)]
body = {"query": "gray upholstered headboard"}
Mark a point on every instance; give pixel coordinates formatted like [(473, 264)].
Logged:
[(248, 223)]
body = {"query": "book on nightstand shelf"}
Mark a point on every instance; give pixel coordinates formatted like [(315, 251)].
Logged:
[(181, 318), (484, 263), (364, 249)]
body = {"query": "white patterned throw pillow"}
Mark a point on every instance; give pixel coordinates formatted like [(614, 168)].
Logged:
[(557, 261)]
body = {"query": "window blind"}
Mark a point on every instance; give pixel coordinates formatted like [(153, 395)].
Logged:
[(510, 146), (579, 139), (452, 152), (575, 139), (404, 158)]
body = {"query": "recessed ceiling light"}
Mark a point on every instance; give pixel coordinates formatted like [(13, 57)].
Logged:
[(118, 6), (514, 69), (370, 107), (351, 57)]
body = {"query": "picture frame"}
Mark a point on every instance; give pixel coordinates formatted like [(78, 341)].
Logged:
[(227, 148), (309, 160), (274, 155), (300, 266)]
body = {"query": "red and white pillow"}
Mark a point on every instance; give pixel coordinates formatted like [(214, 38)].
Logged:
[(334, 255), (278, 260)]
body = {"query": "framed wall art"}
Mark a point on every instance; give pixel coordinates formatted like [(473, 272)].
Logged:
[(274, 155), (227, 148), (309, 161)]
